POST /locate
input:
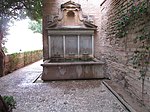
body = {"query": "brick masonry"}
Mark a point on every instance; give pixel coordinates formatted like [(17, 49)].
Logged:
[(107, 47), (117, 53), (19, 60)]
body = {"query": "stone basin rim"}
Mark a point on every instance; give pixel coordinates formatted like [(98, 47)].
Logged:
[(95, 62)]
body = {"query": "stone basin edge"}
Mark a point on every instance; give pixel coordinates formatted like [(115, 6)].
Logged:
[(94, 62)]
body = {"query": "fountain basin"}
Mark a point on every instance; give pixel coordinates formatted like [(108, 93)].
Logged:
[(73, 70)]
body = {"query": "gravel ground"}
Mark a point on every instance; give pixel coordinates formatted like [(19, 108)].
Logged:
[(57, 96)]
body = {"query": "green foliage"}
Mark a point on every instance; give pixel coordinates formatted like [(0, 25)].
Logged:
[(21, 8), (35, 26), (5, 49), (128, 18), (135, 14), (18, 9), (10, 102), (122, 26)]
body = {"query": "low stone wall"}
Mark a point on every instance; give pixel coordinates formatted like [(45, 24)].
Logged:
[(19, 60)]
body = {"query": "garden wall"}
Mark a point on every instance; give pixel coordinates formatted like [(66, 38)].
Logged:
[(118, 48), (19, 60)]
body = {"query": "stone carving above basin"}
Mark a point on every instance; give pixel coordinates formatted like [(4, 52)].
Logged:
[(70, 32), (71, 16), (70, 45)]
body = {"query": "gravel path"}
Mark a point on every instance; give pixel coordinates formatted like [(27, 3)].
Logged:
[(57, 96)]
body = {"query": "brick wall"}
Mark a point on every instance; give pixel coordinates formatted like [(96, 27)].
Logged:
[(19, 60), (118, 51)]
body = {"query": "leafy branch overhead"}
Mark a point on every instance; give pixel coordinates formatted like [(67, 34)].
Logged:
[(21, 8), (18, 9), (36, 26)]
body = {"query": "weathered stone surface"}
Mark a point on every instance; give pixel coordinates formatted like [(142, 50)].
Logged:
[(73, 70)]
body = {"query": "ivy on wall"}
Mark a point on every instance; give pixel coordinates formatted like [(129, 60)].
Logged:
[(137, 14)]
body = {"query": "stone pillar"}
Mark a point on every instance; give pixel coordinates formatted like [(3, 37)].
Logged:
[(64, 45), (78, 45)]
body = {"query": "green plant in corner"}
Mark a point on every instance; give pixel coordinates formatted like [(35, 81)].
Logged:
[(10, 102)]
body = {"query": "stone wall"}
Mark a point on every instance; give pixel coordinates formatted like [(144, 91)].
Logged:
[(19, 60), (118, 51)]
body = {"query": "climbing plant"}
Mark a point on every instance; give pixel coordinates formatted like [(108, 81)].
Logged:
[(137, 14)]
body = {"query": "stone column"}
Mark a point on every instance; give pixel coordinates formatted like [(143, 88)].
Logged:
[(92, 45), (64, 45), (78, 45)]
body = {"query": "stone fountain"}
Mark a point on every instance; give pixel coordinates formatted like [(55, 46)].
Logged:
[(70, 45)]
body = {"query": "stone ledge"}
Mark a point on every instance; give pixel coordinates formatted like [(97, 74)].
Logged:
[(74, 63), (94, 62), (132, 104)]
